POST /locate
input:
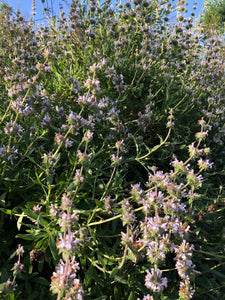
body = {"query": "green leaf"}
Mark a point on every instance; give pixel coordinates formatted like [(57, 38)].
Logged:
[(116, 293), (19, 221), (31, 236), (49, 180), (53, 248), (116, 277), (90, 275), (41, 281), (2, 199), (6, 211), (114, 272), (71, 187), (131, 296), (33, 216), (1, 286), (114, 226), (33, 161), (27, 137), (30, 270), (12, 296), (120, 279), (218, 274), (102, 261), (40, 266)]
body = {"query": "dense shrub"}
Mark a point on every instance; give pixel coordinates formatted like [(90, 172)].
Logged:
[(112, 134)]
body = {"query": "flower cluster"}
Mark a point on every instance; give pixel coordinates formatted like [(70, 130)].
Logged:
[(8, 154), (155, 281), (10, 286), (163, 228), (64, 281), (185, 268)]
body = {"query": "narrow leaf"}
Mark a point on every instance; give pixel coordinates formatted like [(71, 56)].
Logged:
[(19, 221), (2, 199), (53, 248)]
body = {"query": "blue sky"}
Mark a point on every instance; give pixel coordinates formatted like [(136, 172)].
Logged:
[(25, 6)]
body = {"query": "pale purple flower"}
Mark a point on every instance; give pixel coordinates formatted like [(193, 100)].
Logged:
[(19, 250), (108, 204), (67, 242), (193, 150), (78, 176), (194, 180), (204, 164), (37, 208), (73, 118), (83, 156), (110, 71), (18, 267), (86, 99), (128, 212), (104, 102), (155, 225), (147, 297), (8, 154), (68, 143), (92, 84), (66, 220), (66, 202), (156, 251), (53, 210), (102, 62), (50, 158), (186, 290), (45, 120), (137, 192), (59, 139), (116, 158), (13, 128), (178, 165), (88, 135), (65, 277), (184, 265), (155, 281), (26, 110), (10, 286), (177, 227)]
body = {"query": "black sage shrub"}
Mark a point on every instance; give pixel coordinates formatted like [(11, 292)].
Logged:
[(112, 154)]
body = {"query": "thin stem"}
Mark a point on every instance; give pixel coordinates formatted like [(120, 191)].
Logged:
[(59, 297), (60, 145), (6, 111), (113, 172), (108, 184), (113, 218), (125, 252), (124, 258), (155, 148)]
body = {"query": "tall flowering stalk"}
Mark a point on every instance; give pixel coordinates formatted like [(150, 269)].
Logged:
[(10, 286), (64, 281), (163, 229)]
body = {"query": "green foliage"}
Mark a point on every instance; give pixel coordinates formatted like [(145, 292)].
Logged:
[(213, 16)]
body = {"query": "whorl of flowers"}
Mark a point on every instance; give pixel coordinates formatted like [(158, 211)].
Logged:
[(64, 282)]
